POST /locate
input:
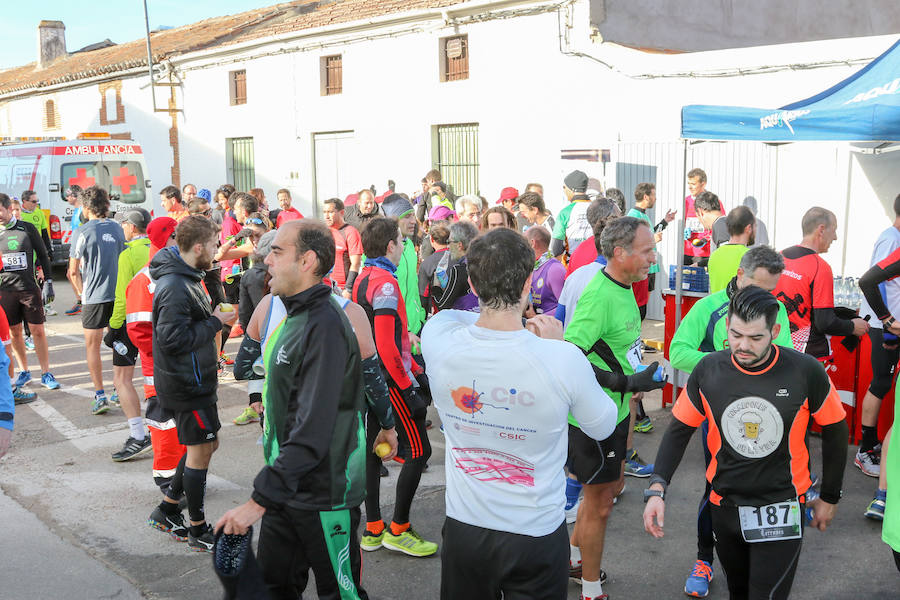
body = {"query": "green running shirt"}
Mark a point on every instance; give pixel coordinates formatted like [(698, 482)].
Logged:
[(607, 327)]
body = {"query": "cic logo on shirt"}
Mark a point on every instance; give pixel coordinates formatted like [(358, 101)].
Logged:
[(470, 401)]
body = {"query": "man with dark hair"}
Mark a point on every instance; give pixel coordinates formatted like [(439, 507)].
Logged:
[(724, 260), (348, 248), (73, 197), (606, 327), (20, 296), (806, 288), (185, 361), (309, 492), (517, 547), (644, 200), (758, 399), (93, 267), (885, 351), (711, 214), (696, 236), (703, 330), (572, 226), (534, 211), (170, 197), (548, 276), (378, 292), (285, 212), (131, 260), (32, 213)]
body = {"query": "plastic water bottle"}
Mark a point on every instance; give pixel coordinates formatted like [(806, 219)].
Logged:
[(259, 367), (658, 376), (120, 347)]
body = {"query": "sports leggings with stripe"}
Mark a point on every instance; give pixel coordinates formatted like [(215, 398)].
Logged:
[(414, 448)]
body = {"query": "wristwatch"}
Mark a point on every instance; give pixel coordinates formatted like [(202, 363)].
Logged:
[(888, 322), (648, 493)]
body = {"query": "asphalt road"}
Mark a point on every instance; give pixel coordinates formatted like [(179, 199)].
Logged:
[(73, 522)]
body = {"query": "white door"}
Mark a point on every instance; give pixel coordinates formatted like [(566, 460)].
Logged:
[(333, 160)]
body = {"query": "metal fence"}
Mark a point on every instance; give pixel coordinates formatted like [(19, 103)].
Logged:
[(457, 157)]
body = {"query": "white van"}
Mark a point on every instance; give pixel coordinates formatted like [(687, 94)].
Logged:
[(50, 165)]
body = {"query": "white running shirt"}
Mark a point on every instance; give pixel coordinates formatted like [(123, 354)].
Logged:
[(504, 398)]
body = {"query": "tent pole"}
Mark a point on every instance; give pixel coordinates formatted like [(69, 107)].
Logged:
[(683, 220)]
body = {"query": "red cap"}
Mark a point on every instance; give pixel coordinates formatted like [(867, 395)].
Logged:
[(160, 230), (508, 193)]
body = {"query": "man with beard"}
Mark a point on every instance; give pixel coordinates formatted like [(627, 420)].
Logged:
[(758, 399), (185, 361)]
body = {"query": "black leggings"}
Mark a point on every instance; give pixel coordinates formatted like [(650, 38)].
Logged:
[(763, 570), (706, 542), (413, 447)]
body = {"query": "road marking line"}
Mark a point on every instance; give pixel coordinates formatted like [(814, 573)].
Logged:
[(67, 429)]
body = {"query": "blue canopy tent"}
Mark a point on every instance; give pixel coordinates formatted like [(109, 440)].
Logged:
[(864, 107)]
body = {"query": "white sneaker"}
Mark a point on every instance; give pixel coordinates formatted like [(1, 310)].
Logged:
[(869, 463)]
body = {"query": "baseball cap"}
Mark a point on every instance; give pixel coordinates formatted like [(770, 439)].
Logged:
[(160, 230), (136, 216), (508, 193), (441, 212)]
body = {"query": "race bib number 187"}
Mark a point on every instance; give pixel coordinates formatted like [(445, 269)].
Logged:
[(770, 523)]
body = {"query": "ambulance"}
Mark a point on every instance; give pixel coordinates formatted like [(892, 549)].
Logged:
[(49, 165)]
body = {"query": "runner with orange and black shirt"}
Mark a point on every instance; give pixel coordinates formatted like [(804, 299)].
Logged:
[(758, 399), (806, 288)]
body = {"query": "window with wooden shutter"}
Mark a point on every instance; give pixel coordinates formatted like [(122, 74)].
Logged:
[(50, 114), (455, 58), (238, 87), (333, 74)]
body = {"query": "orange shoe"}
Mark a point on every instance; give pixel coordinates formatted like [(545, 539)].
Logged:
[(236, 331)]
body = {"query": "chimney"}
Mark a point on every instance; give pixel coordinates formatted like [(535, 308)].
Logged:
[(51, 42)]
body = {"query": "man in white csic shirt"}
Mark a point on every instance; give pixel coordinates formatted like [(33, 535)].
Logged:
[(504, 412)]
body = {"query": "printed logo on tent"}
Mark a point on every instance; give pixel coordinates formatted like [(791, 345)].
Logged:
[(891, 87), (781, 119)]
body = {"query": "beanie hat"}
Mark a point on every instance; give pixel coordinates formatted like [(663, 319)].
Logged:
[(396, 205), (205, 194), (160, 230), (576, 181)]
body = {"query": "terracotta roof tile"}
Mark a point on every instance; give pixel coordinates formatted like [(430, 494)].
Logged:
[(209, 33)]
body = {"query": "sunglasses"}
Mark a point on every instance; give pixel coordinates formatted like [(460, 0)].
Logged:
[(253, 221)]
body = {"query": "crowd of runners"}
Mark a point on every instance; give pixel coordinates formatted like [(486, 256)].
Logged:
[(521, 327)]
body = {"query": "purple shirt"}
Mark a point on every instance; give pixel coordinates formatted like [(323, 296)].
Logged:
[(547, 284)]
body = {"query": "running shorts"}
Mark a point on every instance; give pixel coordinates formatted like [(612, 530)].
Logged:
[(198, 426), (96, 316), (129, 359), (25, 305), (598, 461)]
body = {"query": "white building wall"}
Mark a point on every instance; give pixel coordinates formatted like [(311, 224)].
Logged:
[(530, 100)]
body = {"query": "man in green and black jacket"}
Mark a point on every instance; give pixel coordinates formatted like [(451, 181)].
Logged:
[(309, 492)]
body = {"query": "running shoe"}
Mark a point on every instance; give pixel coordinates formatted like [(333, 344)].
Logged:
[(75, 310), (49, 381), (645, 349), (23, 378), (644, 425), (869, 463), (371, 542), (409, 542), (203, 542), (875, 510), (697, 584), (50, 311), (248, 416), (636, 467), (226, 359), (600, 597), (114, 401), (236, 332), (20, 396), (29, 343), (171, 524), (100, 404), (132, 449), (575, 573)]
